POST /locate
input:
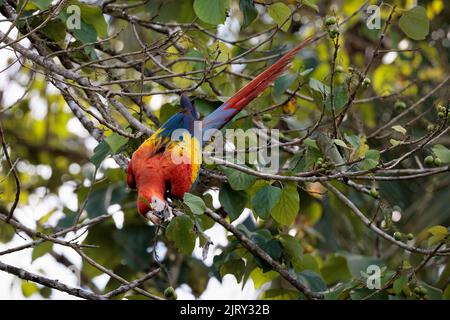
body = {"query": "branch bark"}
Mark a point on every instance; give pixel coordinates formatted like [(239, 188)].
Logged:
[(55, 284)]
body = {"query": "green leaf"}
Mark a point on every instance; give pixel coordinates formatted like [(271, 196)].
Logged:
[(335, 269), (7, 232), (211, 11), (115, 142), (41, 249), (235, 267), (435, 239), (415, 24), (101, 151), (281, 85), (280, 12), (29, 288), (319, 86), (55, 30), (438, 230), (446, 295), (274, 248), (197, 65), (306, 262), (45, 292), (260, 277), (287, 208), (340, 143), (248, 11), (320, 89), (399, 129), (238, 180), (394, 142), (340, 98), (265, 200), (442, 153), (292, 247), (280, 294), (311, 4), (85, 34), (311, 143), (194, 203), (232, 201), (30, 6), (93, 16), (42, 4), (181, 231), (205, 222), (371, 159), (400, 284), (313, 280)]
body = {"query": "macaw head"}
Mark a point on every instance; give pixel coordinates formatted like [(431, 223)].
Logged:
[(151, 204)]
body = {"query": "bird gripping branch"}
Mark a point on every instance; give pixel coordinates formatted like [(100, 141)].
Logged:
[(152, 169)]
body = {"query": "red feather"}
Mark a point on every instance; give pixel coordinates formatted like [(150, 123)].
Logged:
[(261, 82), (243, 97)]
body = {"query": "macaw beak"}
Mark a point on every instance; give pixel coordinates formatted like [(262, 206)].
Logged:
[(154, 209)]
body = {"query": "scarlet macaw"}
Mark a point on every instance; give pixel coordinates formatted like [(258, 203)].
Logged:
[(152, 170)]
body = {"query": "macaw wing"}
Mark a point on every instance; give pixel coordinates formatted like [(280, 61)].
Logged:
[(183, 120)]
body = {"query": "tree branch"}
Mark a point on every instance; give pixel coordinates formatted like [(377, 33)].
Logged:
[(55, 284)]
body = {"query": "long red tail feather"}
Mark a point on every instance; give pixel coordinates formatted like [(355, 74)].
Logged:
[(244, 96)]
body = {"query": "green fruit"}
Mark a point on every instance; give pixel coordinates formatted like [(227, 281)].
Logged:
[(429, 160), (374, 192), (437, 162), (366, 82), (398, 236), (333, 32), (423, 290), (267, 117), (170, 293), (339, 68), (330, 21), (441, 115), (430, 128), (410, 236), (400, 105), (441, 108)]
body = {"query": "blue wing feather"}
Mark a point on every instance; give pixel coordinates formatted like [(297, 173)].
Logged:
[(182, 120)]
